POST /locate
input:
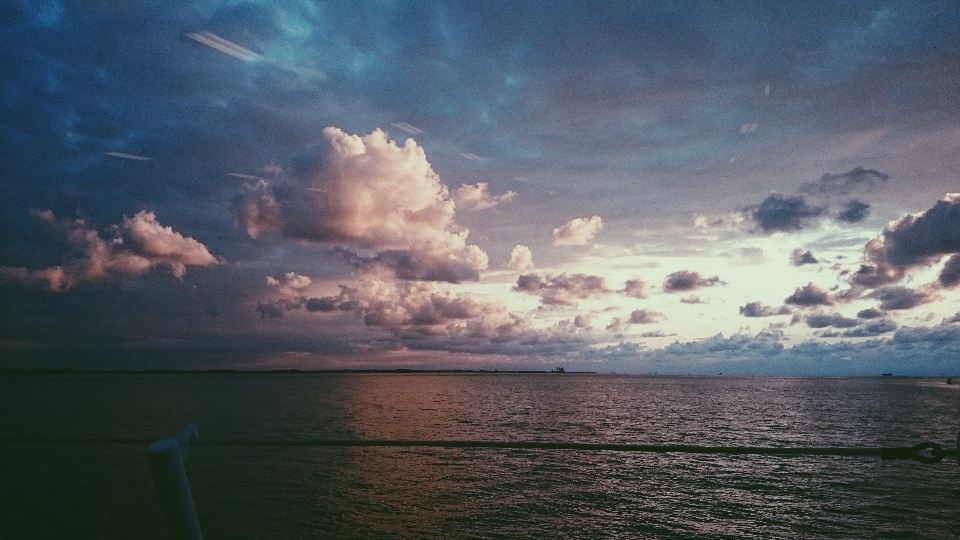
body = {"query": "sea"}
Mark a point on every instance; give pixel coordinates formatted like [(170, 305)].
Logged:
[(105, 490)]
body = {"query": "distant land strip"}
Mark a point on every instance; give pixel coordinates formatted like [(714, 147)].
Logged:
[(71, 371)]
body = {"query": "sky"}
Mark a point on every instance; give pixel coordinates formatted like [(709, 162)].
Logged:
[(634, 187)]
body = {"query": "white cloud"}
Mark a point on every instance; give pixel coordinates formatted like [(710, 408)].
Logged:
[(521, 258), (577, 232)]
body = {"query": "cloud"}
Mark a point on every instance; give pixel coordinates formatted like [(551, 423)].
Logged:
[(477, 196), (912, 241), (292, 284), (855, 180), (944, 333), (134, 246), (636, 288), (686, 280), (564, 289), (869, 313), (577, 231), (871, 329), (798, 257), (421, 315), (786, 214), (853, 211), (835, 320), (367, 193), (896, 297), (654, 334), (810, 295), (583, 320), (692, 299), (645, 316), (521, 258), (756, 309), (950, 275)]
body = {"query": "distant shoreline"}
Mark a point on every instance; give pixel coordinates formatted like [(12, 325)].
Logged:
[(71, 371)]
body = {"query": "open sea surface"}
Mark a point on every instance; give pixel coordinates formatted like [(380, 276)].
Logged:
[(106, 491)]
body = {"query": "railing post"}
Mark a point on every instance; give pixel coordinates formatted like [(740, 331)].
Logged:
[(166, 462)]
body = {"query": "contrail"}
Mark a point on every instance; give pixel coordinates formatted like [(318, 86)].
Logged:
[(126, 156), (224, 46)]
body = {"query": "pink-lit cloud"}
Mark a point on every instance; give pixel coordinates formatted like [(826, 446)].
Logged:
[(913, 241), (564, 289), (521, 258), (477, 196), (134, 246), (577, 232), (366, 193)]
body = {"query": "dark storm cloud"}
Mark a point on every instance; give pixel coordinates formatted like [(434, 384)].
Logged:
[(835, 320), (756, 309), (798, 257), (857, 180), (563, 289), (853, 211), (784, 214), (912, 241), (686, 280), (810, 295)]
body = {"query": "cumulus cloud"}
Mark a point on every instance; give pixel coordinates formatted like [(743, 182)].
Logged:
[(686, 280), (786, 214), (291, 285), (584, 320), (577, 232), (835, 320), (692, 299), (871, 329), (636, 288), (853, 211), (855, 180), (521, 258), (756, 309), (799, 257), (950, 275), (897, 297), (869, 313), (565, 290), (916, 240), (477, 196), (810, 295), (366, 193), (132, 248), (421, 315), (645, 316)]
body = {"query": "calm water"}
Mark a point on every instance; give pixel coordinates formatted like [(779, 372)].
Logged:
[(105, 491)]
